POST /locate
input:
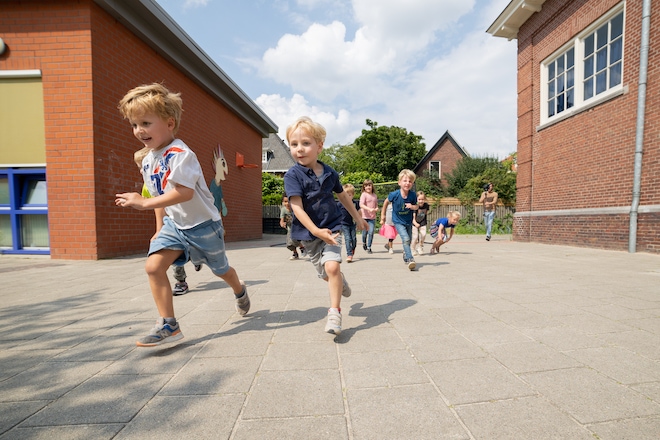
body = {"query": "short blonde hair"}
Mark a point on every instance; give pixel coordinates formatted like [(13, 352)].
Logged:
[(139, 155), (407, 173), (348, 187), (315, 129), (454, 214), (153, 98)]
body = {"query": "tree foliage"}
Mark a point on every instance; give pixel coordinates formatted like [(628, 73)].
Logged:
[(357, 178), (504, 184), (388, 150), (272, 189), (467, 168), (343, 158)]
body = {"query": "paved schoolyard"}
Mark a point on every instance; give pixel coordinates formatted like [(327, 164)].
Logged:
[(488, 340)]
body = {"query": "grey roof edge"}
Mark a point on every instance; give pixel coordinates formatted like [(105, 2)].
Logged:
[(446, 136), (155, 27)]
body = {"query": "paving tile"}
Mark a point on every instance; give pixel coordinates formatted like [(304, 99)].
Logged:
[(308, 428), (431, 348), (520, 418), (619, 364), (15, 412), (406, 412), (308, 393), (199, 417), (524, 357), (646, 428), (301, 356), (381, 369), (476, 380), (589, 396), (211, 376), (75, 432), (101, 399)]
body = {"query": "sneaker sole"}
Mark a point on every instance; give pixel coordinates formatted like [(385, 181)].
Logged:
[(175, 293), (333, 331), (412, 266), (173, 338)]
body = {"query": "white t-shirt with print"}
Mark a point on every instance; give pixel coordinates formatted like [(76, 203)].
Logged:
[(177, 164)]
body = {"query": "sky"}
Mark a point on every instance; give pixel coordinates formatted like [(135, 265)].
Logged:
[(424, 65)]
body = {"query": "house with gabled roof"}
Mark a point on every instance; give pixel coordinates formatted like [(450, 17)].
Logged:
[(64, 149), (275, 156), (588, 123), (441, 158)]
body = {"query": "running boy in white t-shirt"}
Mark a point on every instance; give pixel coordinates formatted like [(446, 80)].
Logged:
[(192, 228)]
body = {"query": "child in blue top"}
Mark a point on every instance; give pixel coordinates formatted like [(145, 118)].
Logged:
[(440, 229), (404, 203), (310, 185), (348, 227)]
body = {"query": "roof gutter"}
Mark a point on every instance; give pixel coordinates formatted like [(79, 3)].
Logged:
[(639, 131)]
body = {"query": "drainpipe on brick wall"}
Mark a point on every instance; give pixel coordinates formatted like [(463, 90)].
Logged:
[(639, 134)]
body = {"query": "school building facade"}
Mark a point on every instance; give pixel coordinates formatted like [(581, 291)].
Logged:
[(64, 149), (588, 122)]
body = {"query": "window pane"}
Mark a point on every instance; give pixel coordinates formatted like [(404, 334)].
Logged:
[(589, 45), (551, 107), (588, 88), (570, 78), (560, 84), (551, 71), (601, 59), (560, 65), (34, 230), (570, 58), (569, 98), (551, 89), (36, 193), (615, 75), (601, 37), (589, 67), (4, 190), (5, 231), (560, 103), (617, 26), (615, 50), (601, 82)]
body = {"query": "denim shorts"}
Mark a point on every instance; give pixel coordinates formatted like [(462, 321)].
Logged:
[(320, 252), (202, 244)]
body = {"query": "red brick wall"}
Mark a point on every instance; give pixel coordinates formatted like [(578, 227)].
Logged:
[(448, 156), (90, 148), (585, 161)]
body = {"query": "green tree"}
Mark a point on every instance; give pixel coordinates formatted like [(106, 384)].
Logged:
[(357, 178), (343, 158), (388, 150), (504, 184), (272, 189), (465, 169)]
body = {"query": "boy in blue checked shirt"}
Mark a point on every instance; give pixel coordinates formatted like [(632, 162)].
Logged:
[(310, 185)]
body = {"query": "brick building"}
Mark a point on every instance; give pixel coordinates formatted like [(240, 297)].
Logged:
[(588, 160), (64, 149), (441, 158)]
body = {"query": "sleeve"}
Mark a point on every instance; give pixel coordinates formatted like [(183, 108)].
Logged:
[(185, 169), (292, 187)]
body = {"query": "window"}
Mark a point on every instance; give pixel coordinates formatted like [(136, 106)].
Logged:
[(434, 169), (23, 211), (586, 71)]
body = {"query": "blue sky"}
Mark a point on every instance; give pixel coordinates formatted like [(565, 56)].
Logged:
[(425, 65)]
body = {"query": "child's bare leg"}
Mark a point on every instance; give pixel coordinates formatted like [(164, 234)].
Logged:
[(231, 278), (335, 283), (156, 268)]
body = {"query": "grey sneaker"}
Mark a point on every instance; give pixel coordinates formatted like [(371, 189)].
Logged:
[(333, 325), (243, 303), (346, 289), (162, 333), (411, 264), (180, 288)]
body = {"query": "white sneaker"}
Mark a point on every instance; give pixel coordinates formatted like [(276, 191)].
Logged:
[(415, 253), (391, 251), (333, 325), (420, 251)]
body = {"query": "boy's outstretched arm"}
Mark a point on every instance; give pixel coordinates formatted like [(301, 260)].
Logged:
[(347, 202), (299, 212), (178, 194)]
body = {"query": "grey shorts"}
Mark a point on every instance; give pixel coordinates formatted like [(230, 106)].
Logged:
[(319, 253), (202, 244)]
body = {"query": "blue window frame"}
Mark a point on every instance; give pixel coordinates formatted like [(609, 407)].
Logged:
[(23, 211)]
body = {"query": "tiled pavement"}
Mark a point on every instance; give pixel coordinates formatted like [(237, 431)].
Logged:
[(487, 340)]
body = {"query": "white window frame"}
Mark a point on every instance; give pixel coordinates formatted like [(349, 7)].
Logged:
[(577, 44), (431, 162)]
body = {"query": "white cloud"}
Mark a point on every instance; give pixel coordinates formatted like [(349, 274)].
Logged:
[(376, 74), (194, 3)]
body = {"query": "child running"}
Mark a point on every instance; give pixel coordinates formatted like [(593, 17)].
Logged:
[(310, 185), (404, 203), (440, 227), (192, 228)]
